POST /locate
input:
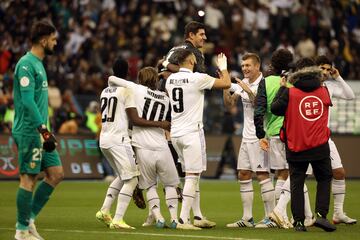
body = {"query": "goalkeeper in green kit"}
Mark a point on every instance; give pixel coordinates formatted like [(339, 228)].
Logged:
[(36, 144)]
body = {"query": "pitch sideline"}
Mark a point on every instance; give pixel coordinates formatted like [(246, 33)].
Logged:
[(141, 233)]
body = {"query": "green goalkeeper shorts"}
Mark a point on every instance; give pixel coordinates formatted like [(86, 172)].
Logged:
[(32, 158)]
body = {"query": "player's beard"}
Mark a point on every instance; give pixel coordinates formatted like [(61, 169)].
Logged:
[(48, 51)]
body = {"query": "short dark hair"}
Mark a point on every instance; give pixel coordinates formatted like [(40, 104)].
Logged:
[(322, 59), (304, 62), (253, 56), (193, 27), (148, 77), (281, 60), (120, 67), (182, 54), (41, 29)]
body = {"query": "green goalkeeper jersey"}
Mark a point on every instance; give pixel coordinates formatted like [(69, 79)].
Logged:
[(30, 95)]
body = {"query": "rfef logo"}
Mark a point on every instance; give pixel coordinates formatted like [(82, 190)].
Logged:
[(311, 108)]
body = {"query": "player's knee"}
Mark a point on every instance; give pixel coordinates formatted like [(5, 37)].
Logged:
[(131, 183), (339, 173), (262, 176), (283, 174), (55, 178), (244, 175)]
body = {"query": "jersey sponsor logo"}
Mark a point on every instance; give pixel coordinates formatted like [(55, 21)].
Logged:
[(24, 81), (311, 108)]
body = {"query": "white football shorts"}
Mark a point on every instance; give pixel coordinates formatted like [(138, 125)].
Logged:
[(192, 151), (277, 154), (122, 160), (154, 163), (252, 157)]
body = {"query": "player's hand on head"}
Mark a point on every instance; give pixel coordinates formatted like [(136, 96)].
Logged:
[(159, 64), (221, 62), (334, 73), (49, 140)]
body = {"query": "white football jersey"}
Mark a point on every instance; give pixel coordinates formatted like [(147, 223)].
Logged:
[(151, 105), (114, 130), (249, 133), (186, 92), (339, 89)]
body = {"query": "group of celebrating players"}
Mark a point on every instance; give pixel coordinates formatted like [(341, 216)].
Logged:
[(168, 106), (181, 85)]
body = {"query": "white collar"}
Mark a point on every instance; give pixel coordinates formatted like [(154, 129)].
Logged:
[(185, 70), (256, 82)]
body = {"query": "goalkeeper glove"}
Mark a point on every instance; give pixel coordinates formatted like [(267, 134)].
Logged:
[(49, 143)]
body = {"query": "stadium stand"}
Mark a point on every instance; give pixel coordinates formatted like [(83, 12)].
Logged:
[(92, 33)]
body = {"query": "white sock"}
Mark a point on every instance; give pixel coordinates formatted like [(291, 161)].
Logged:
[(111, 194), (124, 198), (268, 195), (307, 206), (172, 201), (154, 203), (338, 191), (247, 197), (278, 188), (188, 197), (196, 203), (284, 199)]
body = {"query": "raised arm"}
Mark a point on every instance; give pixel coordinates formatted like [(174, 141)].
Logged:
[(223, 82), (119, 82), (246, 88), (280, 102), (230, 99), (343, 90)]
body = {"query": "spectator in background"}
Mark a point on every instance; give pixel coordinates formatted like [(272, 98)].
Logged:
[(91, 113), (93, 33), (9, 116)]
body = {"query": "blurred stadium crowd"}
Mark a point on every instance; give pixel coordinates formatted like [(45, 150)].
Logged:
[(92, 33)]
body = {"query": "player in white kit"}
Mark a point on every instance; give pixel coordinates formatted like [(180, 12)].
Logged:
[(186, 92), (117, 104), (151, 147), (251, 159), (338, 88)]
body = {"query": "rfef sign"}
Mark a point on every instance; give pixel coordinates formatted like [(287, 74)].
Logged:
[(311, 108)]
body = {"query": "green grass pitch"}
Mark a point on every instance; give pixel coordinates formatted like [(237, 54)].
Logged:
[(70, 214)]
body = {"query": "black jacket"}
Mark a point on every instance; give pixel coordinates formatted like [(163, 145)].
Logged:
[(307, 80), (200, 60)]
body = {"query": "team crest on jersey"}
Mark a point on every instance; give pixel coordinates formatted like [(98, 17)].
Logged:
[(311, 108), (32, 165), (24, 81)]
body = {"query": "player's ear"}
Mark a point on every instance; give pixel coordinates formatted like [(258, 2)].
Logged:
[(191, 35), (43, 42)]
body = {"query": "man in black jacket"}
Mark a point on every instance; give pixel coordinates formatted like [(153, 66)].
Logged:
[(305, 133), (195, 37)]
